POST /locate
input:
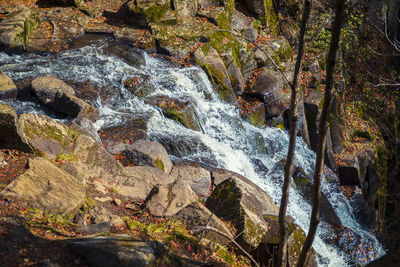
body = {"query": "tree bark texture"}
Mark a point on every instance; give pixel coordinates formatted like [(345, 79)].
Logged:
[(282, 255), (322, 129)]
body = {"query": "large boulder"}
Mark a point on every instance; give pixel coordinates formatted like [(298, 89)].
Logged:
[(48, 137), (243, 204), (246, 26), (16, 26), (167, 200), (100, 163), (268, 88), (176, 109), (256, 6), (186, 8), (47, 187), (7, 86), (143, 12), (253, 110), (198, 178), (138, 181), (211, 62), (115, 250), (296, 237), (11, 135), (144, 152), (304, 186), (195, 216), (56, 94)]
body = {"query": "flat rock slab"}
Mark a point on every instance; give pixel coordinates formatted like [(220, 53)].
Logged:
[(167, 200), (117, 250), (46, 185)]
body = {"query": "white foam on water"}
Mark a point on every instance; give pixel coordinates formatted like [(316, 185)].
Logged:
[(227, 140)]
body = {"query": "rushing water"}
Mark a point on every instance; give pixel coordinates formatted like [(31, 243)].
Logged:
[(225, 140)]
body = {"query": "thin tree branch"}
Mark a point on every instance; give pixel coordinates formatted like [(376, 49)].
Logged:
[(209, 228), (282, 254)]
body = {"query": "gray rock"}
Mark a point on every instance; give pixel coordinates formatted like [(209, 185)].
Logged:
[(268, 89), (94, 228), (195, 216), (144, 152), (186, 8), (242, 203), (16, 26), (167, 200), (8, 88), (138, 181), (208, 3), (246, 26), (116, 250), (56, 94), (47, 187), (215, 67), (198, 178), (348, 175), (11, 134), (47, 136)]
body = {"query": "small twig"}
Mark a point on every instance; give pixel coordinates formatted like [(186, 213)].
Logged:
[(208, 221), (208, 228)]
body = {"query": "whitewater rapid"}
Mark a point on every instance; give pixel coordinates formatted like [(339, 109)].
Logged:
[(227, 141)]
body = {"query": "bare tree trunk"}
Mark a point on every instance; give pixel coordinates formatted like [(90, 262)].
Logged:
[(282, 255), (322, 128)]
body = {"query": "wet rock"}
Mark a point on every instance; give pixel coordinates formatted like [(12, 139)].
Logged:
[(61, 98), (8, 89), (176, 109), (304, 186), (195, 216), (243, 204), (16, 26), (47, 187), (167, 200), (255, 114), (212, 63), (46, 88), (185, 8), (138, 181), (115, 250), (11, 134), (46, 136), (144, 152), (198, 178)]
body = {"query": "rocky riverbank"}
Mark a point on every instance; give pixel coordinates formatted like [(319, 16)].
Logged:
[(61, 180)]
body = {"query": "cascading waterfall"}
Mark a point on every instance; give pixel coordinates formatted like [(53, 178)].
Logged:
[(225, 141)]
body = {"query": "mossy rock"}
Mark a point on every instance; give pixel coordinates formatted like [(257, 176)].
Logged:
[(16, 26), (209, 59), (46, 136), (178, 110), (142, 12)]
